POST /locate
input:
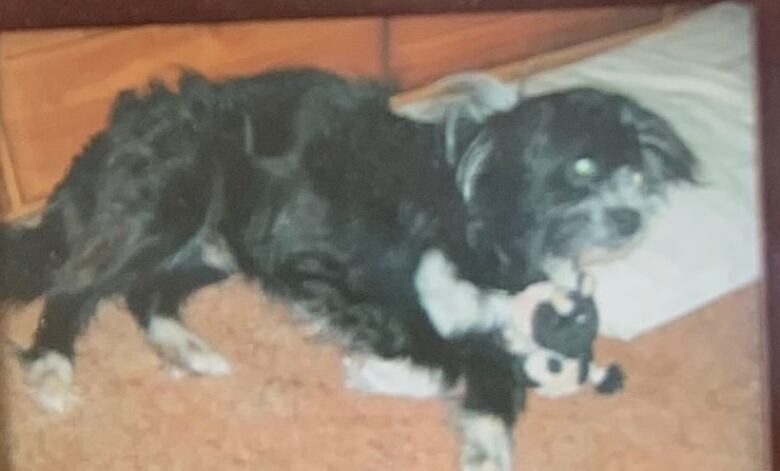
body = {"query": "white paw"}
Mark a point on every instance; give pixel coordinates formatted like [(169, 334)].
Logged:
[(485, 466), (486, 443), (184, 349), (520, 311), (49, 379), (398, 377)]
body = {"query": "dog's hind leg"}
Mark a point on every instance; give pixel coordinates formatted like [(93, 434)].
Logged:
[(49, 363), (156, 302)]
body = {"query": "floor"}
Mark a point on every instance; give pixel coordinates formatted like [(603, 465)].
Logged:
[(693, 402)]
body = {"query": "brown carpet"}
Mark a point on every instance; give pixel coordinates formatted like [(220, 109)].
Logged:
[(693, 402)]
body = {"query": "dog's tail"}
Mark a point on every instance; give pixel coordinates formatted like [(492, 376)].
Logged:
[(27, 258)]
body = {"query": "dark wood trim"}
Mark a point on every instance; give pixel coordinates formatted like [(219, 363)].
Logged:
[(26, 14), (768, 12)]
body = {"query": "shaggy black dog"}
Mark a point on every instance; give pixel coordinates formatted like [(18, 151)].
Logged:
[(312, 185)]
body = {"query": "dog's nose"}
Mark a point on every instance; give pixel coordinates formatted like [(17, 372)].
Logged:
[(626, 220)]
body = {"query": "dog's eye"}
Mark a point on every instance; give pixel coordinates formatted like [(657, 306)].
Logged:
[(585, 167)]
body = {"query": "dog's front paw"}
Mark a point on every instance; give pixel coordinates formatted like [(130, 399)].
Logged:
[(185, 350), (613, 380), (49, 378), (484, 466), (486, 443)]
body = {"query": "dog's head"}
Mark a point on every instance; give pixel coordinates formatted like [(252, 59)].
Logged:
[(571, 175)]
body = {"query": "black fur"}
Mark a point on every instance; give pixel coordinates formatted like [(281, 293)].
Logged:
[(28, 257), (318, 190)]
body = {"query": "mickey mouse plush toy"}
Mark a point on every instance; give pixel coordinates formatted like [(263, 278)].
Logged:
[(553, 330)]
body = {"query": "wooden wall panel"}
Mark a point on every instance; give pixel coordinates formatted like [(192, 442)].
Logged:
[(29, 42), (54, 98), (429, 47), (5, 202), (56, 86)]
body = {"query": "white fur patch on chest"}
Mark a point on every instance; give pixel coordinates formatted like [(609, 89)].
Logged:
[(455, 306)]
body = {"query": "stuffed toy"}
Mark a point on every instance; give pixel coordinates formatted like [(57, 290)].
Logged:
[(553, 331)]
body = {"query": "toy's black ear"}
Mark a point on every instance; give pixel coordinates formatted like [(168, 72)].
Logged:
[(614, 380), (665, 154)]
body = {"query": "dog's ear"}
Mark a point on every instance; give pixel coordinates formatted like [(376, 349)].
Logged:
[(518, 135), (475, 95), (471, 163), (665, 154)]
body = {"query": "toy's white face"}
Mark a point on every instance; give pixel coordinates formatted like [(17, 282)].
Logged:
[(555, 374)]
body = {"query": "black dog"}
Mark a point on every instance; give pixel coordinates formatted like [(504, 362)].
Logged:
[(310, 184)]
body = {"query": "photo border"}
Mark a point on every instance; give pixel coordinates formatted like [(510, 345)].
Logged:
[(37, 14)]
